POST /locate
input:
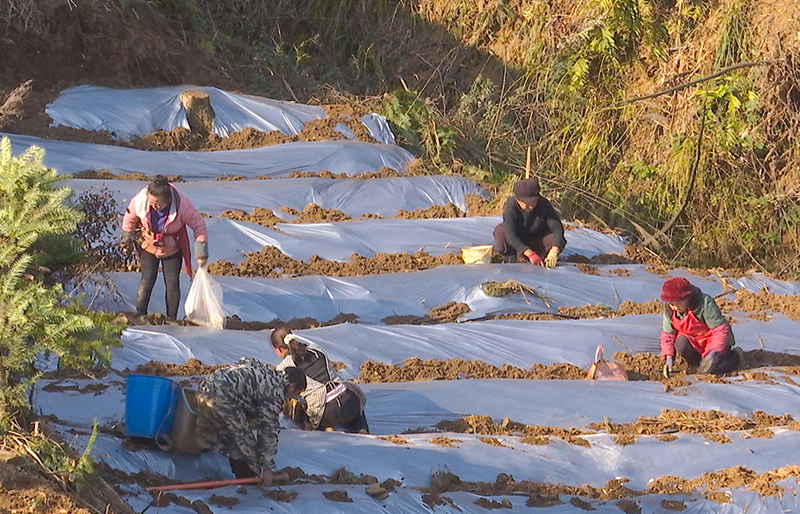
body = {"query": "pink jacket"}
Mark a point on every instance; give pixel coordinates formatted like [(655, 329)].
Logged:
[(175, 236)]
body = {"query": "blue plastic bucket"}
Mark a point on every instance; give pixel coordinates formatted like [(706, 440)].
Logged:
[(149, 405)]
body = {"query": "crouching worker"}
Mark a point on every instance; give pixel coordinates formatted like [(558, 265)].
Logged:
[(694, 328), (330, 401), (531, 228), (229, 399)]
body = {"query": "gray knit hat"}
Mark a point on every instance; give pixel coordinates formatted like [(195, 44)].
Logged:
[(527, 190)]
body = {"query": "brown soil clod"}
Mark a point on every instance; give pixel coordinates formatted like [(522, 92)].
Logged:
[(581, 504), (493, 441), (492, 504), (673, 505), (444, 442), (104, 174), (223, 501), (432, 500), (344, 477), (280, 495), (445, 313), (201, 507), (395, 439), (629, 507), (432, 212), (625, 440), (337, 496)]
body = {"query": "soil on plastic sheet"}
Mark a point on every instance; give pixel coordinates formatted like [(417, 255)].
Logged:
[(223, 501), (280, 495), (236, 323), (488, 504), (711, 485), (383, 172), (585, 263), (433, 500), (394, 439), (414, 369), (673, 505), (192, 367), (165, 499), (22, 491), (272, 263), (313, 213), (153, 318), (757, 304), (432, 212), (104, 174), (260, 216), (182, 139), (95, 388), (337, 496), (629, 507), (444, 442), (695, 421), (445, 313), (542, 501)]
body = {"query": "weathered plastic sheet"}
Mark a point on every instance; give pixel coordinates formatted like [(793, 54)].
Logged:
[(338, 241), (393, 408), (350, 157), (382, 196), (517, 343), (129, 113), (377, 296)]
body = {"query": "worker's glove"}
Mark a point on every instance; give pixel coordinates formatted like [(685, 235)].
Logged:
[(707, 363), (668, 367), (533, 257), (201, 262), (552, 257)]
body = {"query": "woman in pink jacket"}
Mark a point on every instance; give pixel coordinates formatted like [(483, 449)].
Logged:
[(694, 328), (155, 226)]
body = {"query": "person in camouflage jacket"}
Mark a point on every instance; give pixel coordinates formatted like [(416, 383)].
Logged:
[(229, 399)]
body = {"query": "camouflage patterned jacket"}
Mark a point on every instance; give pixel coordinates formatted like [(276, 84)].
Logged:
[(229, 399)]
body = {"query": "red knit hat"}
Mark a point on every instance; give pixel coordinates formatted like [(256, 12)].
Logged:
[(676, 289)]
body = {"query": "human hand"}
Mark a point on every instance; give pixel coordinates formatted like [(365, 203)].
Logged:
[(266, 478), (201, 262), (533, 257), (668, 367), (127, 245), (552, 257)]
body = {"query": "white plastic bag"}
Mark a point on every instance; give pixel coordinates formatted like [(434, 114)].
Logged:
[(204, 301)]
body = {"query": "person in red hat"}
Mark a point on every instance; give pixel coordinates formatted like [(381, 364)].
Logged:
[(694, 328), (531, 228)]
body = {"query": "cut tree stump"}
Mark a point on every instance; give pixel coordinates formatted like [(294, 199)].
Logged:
[(199, 112)]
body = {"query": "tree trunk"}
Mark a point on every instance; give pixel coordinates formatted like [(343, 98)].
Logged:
[(199, 112)]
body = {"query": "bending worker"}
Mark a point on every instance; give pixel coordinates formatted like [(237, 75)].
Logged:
[(694, 328), (330, 401), (230, 398), (530, 228), (154, 225)]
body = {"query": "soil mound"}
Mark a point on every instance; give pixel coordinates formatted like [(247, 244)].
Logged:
[(313, 213), (432, 212), (446, 313), (105, 174), (272, 263), (415, 369), (235, 323), (757, 304), (695, 422), (21, 490), (190, 368), (382, 172), (261, 216), (182, 139)]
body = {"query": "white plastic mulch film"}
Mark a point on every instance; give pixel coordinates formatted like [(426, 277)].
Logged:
[(349, 157), (129, 113), (405, 444)]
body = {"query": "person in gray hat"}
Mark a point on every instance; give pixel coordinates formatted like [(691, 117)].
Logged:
[(531, 227)]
